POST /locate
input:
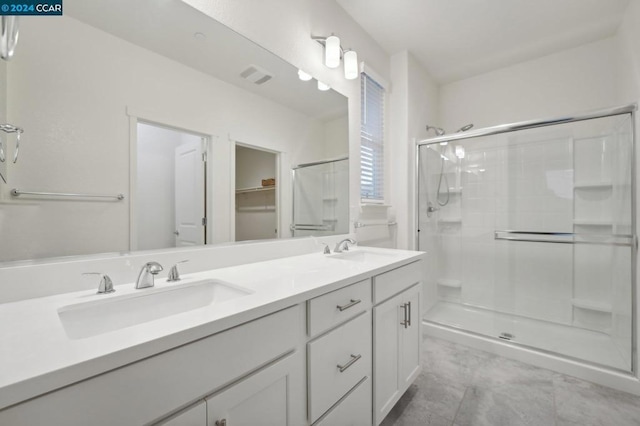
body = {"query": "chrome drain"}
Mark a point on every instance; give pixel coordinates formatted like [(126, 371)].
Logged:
[(507, 336)]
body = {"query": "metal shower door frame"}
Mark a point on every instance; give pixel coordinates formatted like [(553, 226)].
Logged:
[(630, 109)]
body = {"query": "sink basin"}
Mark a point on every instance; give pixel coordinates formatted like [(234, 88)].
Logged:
[(361, 256), (88, 319)]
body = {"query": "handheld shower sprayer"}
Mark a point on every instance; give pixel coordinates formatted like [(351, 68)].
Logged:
[(465, 128)]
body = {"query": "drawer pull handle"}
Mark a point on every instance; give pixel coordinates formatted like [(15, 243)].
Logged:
[(222, 422), (353, 359), (351, 303)]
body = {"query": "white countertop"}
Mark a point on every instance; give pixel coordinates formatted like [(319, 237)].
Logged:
[(37, 356)]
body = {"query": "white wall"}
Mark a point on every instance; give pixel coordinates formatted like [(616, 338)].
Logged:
[(628, 90), (413, 103), (574, 80), (336, 138), (86, 149)]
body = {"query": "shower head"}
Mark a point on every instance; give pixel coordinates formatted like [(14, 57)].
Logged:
[(465, 128), (439, 131)]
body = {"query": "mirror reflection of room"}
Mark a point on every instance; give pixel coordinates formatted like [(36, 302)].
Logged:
[(256, 205), (171, 168), (81, 108)]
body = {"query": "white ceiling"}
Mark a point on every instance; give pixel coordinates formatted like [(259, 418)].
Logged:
[(456, 39)]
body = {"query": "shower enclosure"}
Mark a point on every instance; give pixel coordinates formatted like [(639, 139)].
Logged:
[(321, 198), (530, 230)]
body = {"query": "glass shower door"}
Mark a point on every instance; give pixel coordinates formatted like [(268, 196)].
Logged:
[(531, 237), (321, 199)]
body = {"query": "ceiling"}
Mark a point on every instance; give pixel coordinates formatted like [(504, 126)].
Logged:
[(456, 39)]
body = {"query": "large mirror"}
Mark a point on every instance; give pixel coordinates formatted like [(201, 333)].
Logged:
[(185, 132)]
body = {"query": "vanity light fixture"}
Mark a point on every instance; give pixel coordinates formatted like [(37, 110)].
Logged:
[(333, 53), (323, 86), (351, 65), (304, 76)]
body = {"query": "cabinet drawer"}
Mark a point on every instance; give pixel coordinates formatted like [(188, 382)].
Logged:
[(393, 282), (353, 410), (349, 347), (338, 306)]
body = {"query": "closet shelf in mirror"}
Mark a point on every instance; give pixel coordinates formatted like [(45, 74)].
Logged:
[(604, 184), (256, 189)]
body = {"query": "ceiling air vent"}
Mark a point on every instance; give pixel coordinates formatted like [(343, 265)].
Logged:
[(256, 75)]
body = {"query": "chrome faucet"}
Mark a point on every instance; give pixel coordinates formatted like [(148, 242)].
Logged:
[(344, 245), (147, 273), (106, 285)]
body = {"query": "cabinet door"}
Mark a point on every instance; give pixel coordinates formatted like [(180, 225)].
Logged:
[(386, 341), (410, 338), (396, 328), (273, 396)]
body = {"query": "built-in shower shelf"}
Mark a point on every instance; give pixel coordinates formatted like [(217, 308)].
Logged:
[(449, 283), (591, 305), (593, 185), (592, 222), (450, 220)]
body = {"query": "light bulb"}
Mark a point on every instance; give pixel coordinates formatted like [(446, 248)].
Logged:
[(351, 65), (304, 76), (332, 52), (323, 86)]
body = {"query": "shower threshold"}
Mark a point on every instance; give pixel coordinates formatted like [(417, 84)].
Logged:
[(591, 346)]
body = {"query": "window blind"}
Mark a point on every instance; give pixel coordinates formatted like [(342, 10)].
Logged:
[(371, 139)]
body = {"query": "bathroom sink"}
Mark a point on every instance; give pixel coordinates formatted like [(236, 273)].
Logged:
[(362, 256), (88, 319)]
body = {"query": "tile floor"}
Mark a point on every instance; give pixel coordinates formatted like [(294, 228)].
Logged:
[(461, 386)]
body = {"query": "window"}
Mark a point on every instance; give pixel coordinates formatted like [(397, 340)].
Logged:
[(371, 140)]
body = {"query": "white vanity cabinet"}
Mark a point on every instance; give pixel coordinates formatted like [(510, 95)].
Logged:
[(339, 360), (149, 390), (396, 336), (336, 358)]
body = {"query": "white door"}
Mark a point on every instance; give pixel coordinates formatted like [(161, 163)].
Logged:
[(189, 195)]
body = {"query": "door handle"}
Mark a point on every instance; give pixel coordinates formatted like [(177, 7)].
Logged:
[(176, 233), (409, 314), (406, 320)]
